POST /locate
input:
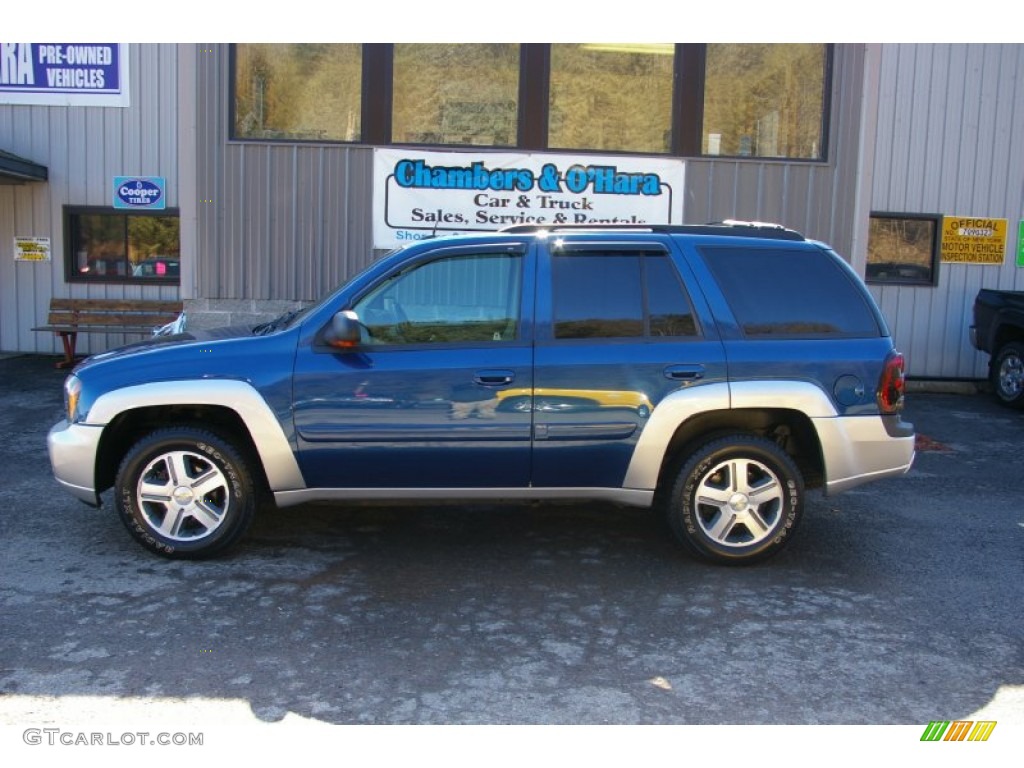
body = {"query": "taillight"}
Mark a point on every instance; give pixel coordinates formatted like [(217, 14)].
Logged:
[(891, 384)]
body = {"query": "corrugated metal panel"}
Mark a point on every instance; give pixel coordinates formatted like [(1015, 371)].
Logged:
[(944, 144), (84, 148), (284, 226), (839, 192), (804, 197), (287, 221)]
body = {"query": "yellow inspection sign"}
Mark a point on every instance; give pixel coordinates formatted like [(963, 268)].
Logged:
[(973, 240), (31, 248)]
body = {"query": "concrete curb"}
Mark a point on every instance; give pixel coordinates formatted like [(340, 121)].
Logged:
[(945, 387)]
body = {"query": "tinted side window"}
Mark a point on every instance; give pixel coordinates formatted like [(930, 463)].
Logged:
[(618, 295), (790, 293), (471, 298), (667, 303), (598, 297)]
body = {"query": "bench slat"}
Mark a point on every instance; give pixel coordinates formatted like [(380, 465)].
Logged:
[(69, 317), (112, 318), (114, 305)]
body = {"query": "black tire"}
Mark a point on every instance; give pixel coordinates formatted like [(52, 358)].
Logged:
[(712, 508), (1006, 374), (185, 493)]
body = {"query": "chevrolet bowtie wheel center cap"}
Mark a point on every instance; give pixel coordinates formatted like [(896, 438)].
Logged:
[(739, 502), (183, 496)]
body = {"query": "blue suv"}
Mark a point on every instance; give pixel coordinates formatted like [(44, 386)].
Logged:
[(716, 371)]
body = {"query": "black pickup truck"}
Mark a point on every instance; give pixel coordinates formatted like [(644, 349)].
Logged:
[(998, 329)]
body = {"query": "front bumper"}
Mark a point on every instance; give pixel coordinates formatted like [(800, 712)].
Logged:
[(72, 449)]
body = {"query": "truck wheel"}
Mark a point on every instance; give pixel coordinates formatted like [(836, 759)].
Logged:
[(1007, 374), (736, 500), (185, 493)]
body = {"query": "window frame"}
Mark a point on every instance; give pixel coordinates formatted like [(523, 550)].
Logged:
[(687, 115), (72, 275), (936, 249)]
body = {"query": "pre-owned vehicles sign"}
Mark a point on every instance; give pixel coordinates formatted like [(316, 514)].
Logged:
[(64, 74)]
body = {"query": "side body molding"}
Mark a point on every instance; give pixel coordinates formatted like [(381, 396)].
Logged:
[(275, 453)]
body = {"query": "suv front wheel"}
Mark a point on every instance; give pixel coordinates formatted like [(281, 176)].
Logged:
[(736, 500), (185, 493)]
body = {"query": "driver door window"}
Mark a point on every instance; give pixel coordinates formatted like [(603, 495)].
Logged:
[(458, 299)]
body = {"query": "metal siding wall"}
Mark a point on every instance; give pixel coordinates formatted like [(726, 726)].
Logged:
[(945, 145), (211, 127), (84, 148), (287, 221), (839, 192)]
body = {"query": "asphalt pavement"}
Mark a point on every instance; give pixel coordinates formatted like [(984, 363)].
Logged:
[(898, 603)]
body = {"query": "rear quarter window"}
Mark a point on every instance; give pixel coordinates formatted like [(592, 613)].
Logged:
[(791, 293)]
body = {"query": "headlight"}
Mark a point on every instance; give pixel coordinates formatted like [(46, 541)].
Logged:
[(72, 391)]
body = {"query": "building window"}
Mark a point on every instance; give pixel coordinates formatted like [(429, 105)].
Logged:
[(298, 92), (765, 100), (456, 94), (903, 249), (613, 97), (678, 99), (108, 246)]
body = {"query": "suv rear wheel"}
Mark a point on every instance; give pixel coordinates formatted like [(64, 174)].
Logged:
[(736, 500), (185, 493)]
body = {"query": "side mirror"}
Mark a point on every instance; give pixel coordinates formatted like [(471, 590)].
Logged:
[(344, 332)]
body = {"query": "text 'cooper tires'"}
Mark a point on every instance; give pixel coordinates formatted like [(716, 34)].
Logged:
[(736, 500), (1007, 374), (184, 493)]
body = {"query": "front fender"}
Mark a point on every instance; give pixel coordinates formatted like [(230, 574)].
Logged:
[(275, 452)]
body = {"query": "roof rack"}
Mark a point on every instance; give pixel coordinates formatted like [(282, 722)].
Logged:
[(730, 227)]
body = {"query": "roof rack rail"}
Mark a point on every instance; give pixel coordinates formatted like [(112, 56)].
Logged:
[(730, 227)]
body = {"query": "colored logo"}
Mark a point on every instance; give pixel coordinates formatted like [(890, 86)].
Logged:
[(139, 192), (958, 730)]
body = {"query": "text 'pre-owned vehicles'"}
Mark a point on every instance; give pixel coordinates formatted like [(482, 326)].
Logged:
[(717, 371)]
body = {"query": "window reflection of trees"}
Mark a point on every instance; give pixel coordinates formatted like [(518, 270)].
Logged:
[(759, 100), (764, 100)]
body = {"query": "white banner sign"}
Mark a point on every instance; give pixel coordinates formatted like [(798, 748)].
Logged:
[(420, 194)]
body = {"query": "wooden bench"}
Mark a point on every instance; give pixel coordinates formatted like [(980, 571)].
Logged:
[(70, 317)]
